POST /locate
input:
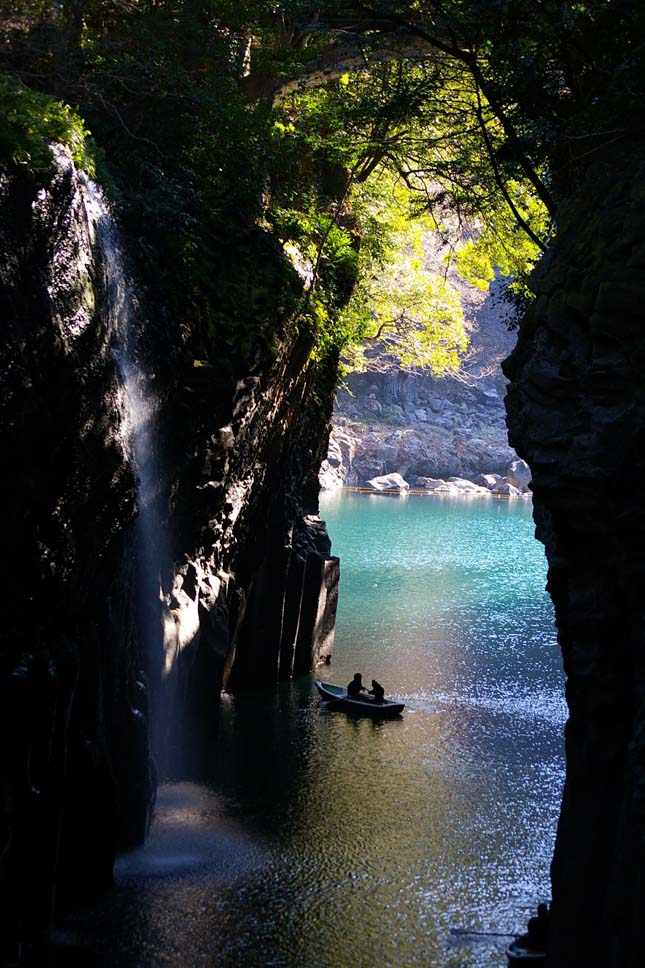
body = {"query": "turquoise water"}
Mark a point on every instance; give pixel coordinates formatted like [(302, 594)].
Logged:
[(329, 842), (445, 597)]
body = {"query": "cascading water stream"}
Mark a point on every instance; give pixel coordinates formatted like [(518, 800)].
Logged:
[(140, 406)]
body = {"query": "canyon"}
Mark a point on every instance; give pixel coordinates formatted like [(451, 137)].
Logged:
[(251, 594), (162, 532)]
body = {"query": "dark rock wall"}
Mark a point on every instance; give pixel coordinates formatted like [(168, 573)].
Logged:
[(576, 413), (76, 779), (255, 599), (248, 584)]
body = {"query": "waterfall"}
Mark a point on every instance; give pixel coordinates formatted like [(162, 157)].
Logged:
[(140, 407)]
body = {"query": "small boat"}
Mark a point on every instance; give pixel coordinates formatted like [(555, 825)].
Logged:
[(518, 952), (361, 707)]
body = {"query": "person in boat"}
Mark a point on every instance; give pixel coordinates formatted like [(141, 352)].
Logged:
[(537, 933), (377, 691), (356, 687)]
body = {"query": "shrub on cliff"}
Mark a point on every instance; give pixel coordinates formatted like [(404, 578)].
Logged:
[(30, 121), (201, 158)]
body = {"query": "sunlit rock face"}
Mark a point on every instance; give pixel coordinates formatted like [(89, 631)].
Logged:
[(116, 644), (255, 600), (576, 413), (390, 421)]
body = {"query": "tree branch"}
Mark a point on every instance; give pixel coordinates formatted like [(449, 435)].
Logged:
[(469, 58), (499, 181), (390, 324)]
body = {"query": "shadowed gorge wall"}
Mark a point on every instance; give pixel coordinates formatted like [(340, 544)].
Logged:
[(576, 413), (73, 732), (92, 677), (251, 595)]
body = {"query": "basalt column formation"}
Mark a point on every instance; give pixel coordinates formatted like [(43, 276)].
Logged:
[(576, 413), (110, 677)]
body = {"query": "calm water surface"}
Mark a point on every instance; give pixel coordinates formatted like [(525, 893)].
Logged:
[(327, 842)]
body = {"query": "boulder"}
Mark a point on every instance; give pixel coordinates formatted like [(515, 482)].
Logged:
[(388, 482), (519, 474), (429, 483), (504, 489), (454, 485), (467, 487), (487, 480)]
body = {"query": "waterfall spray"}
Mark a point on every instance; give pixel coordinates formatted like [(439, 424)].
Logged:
[(140, 407)]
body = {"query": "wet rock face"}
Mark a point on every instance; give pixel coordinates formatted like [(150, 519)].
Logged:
[(91, 676), (576, 413), (256, 600), (73, 727)]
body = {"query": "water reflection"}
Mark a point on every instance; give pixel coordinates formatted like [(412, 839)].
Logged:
[(330, 842)]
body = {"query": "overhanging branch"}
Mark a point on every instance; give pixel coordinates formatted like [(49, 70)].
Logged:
[(499, 181), (469, 59)]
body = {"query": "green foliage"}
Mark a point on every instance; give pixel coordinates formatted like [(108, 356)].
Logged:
[(30, 121), (500, 243), (279, 159), (188, 159), (408, 139), (157, 83), (419, 126), (416, 315)]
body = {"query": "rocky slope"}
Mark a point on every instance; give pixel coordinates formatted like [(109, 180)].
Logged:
[(390, 421)]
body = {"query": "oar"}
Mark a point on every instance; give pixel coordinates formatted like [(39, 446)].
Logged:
[(484, 934)]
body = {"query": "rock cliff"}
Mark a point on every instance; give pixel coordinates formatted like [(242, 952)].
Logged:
[(119, 636), (245, 584), (390, 421), (73, 701), (576, 411)]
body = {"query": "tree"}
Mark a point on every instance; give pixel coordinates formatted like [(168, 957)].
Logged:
[(486, 106)]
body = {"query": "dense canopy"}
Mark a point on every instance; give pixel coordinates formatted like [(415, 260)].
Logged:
[(344, 130)]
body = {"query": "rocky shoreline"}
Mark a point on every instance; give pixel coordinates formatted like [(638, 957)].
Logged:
[(516, 483)]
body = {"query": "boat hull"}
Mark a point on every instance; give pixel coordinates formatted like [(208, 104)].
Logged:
[(517, 954), (358, 707)]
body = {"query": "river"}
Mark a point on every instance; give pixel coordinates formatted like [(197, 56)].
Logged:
[(330, 842)]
